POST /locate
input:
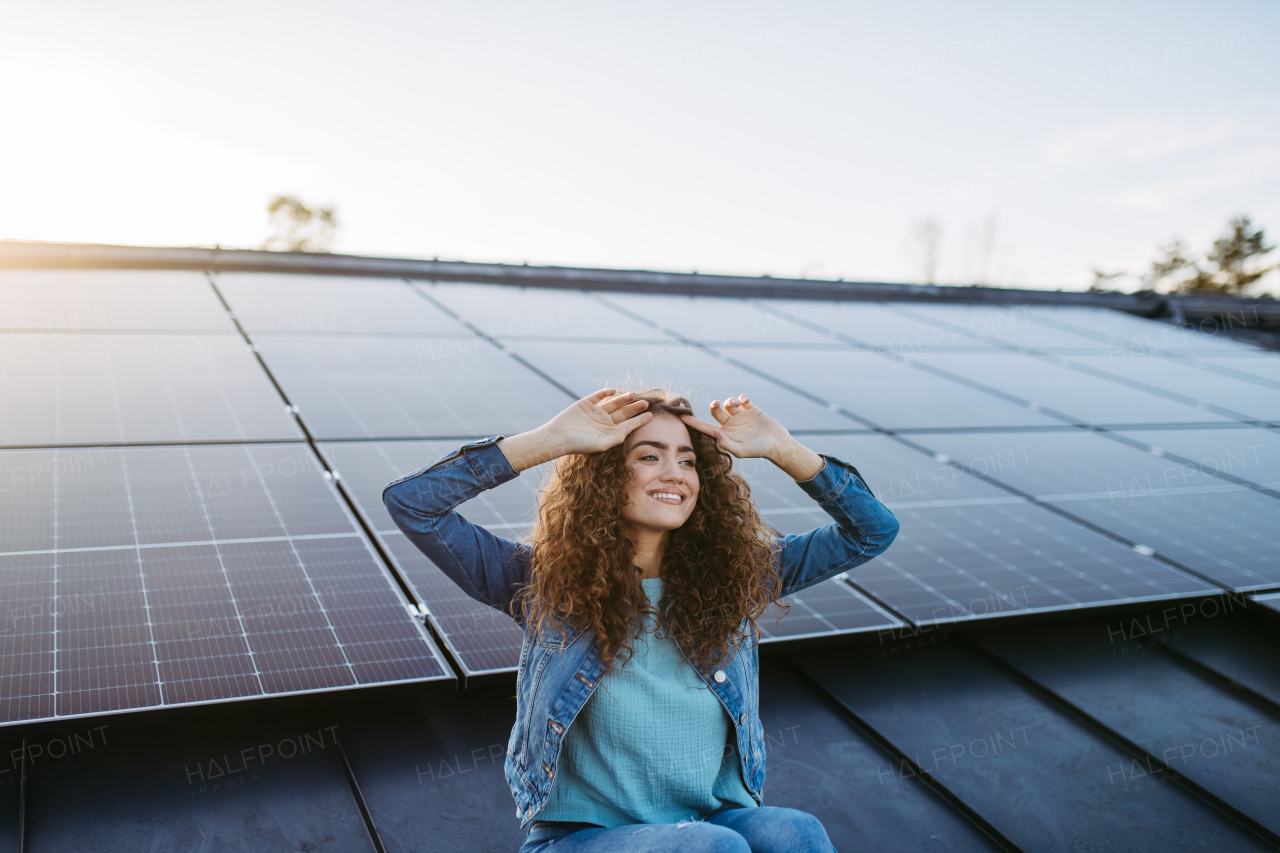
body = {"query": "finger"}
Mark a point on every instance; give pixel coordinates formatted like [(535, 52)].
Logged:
[(700, 425), (632, 424), (718, 412), (629, 411), (746, 401), (733, 406), (600, 395), (730, 446), (612, 404)]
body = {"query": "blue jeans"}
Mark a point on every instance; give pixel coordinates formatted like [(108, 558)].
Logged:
[(760, 830)]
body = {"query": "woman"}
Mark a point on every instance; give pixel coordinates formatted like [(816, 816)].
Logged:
[(637, 721)]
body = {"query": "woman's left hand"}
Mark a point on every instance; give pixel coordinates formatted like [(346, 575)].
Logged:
[(745, 431)]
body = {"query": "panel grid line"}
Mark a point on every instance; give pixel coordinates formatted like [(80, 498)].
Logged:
[(143, 546), (142, 579), (1111, 340), (222, 567), (306, 574), (1097, 374)]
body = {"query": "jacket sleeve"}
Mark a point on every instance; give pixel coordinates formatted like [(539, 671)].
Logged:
[(862, 528), (490, 569)]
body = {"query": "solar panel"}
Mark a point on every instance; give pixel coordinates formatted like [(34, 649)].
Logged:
[(1259, 368), (583, 368), (1271, 601), (481, 638), (1173, 376), (1248, 454), (1079, 396), (888, 393), (384, 387), (713, 321), (826, 609), (269, 304), (102, 300), (1133, 334), (1009, 324), (151, 577), (91, 388), (507, 312), (968, 549), (157, 576), (1220, 530), (879, 325)]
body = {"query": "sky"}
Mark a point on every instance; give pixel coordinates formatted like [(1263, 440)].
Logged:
[(817, 139)]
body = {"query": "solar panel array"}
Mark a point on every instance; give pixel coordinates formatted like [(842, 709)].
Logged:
[(167, 535), (1039, 459)]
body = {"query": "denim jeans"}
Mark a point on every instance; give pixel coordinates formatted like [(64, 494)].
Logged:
[(766, 829)]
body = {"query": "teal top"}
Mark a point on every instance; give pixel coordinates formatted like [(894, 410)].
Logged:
[(652, 745)]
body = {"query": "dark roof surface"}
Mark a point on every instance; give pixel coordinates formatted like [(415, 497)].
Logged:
[(1071, 646)]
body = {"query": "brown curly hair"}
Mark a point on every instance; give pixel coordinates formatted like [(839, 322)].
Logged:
[(718, 568)]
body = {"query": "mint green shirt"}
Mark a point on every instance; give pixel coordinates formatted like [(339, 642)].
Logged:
[(652, 745)]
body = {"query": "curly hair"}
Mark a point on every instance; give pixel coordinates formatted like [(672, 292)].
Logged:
[(718, 569)]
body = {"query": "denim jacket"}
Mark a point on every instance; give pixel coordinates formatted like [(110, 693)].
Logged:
[(554, 683)]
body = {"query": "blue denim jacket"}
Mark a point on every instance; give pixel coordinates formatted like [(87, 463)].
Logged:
[(554, 683)]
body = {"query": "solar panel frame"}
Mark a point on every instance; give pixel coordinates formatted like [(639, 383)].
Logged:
[(955, 540), (999, 325), (1260, 368), (877, 325), (831, 608), (1246, 399), (716, 321), (283, 304), (505, 312), (281, 593), (871, 385), (481, 639), (383, 387), (95, 388), (1251, 454), (1081, 397), (701, 375), (36, 301), (1133, 334), (1209, 526)]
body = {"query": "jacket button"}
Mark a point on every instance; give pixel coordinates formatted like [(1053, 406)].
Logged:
[(742, 719), (720, 676)]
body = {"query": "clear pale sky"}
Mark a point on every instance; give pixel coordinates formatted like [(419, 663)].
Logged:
[(746, 137)]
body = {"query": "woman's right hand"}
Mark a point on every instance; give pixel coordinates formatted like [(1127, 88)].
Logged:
[(594, 423)]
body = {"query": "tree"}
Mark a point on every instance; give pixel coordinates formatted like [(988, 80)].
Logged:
[(1102, 279), (1231, 266), (299, 228), (1173, 259), (1234, 253)]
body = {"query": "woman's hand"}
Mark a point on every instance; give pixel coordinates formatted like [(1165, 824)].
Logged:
[(592, 424), (745, 431)]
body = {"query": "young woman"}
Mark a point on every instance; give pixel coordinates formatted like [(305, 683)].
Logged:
[(637, 725)]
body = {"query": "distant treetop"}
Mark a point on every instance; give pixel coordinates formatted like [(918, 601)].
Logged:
[(297, 227)]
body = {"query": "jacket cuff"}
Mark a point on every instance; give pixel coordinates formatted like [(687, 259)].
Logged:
[(489, 462), (828, 483)]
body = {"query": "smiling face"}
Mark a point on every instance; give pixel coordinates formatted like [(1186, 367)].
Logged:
[(664, 488)]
